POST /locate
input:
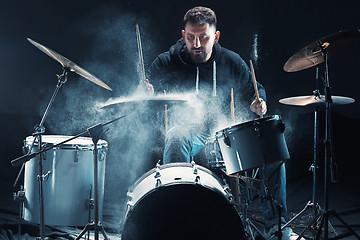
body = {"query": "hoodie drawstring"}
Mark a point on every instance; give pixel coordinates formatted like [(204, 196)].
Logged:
[(214, 80), (197, 81)]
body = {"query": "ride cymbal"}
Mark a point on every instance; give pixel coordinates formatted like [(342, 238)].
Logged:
[(312, 54), (312, 99), (71, 66)]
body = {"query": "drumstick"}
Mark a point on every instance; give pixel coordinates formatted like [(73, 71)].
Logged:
[(254, 81), (255, 85), (141, 57), (166, 116), (232, 107)]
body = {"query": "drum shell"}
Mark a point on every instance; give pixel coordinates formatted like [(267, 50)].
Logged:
[(66, 188), (253, 144), (180, 201)]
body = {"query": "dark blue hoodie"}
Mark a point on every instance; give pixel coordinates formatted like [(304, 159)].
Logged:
[(175, 72)]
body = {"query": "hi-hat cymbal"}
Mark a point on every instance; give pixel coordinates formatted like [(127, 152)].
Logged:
[(312, 99), (71, 66), (312, 55), (147, 99)]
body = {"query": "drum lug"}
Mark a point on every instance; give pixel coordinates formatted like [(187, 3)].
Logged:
[(158, 183), (256, 128), (197, 179), (194, 167), (44, 177), (226, 140), (227, 190), (157, 174), (77, 153), (130, 195), (130, 203), (229, 196), (102, 153)]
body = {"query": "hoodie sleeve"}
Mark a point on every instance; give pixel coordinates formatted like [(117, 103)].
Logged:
[(158, 71)]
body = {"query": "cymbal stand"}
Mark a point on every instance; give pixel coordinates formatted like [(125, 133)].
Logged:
[(39, 131), (313, 168), (324, 214)]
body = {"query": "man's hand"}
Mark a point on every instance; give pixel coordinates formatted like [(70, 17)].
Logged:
[(145, 87), (259, 107)]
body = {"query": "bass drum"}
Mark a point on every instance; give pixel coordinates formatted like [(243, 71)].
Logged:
[(68, 172), (181, 201)]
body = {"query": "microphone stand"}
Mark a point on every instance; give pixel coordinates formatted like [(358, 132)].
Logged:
[(39, 131), (95, 133)]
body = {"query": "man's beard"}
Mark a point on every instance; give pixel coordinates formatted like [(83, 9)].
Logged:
[(198, 57)]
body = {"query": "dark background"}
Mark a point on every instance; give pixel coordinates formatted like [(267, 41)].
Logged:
[(100, 37)]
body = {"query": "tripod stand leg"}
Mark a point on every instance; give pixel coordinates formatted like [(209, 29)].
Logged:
[(249, 230), (320, 226), (345, 224), (86, 229), (251, 225), (309, 204), (103, 231), (315, 219)]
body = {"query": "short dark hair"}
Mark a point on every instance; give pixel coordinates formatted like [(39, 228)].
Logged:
[(200, 15)]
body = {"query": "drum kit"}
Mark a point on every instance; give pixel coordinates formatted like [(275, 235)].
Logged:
[(177, 200)]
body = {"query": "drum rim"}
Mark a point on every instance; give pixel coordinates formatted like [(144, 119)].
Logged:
[(236, 127), (131, 205), (45, 138), (169, 165)]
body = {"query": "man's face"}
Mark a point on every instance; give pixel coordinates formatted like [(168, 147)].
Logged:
[(199, 40)]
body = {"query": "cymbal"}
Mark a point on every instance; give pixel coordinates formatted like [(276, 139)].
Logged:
[(312, 99), (168, 99), (311, 55), (66, 63)]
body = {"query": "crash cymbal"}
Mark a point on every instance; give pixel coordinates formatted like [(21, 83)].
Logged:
[(312, 99), (71, 66), (146, 99), (311, 55)]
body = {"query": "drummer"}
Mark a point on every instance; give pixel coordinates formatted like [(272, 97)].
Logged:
[(198, 63)]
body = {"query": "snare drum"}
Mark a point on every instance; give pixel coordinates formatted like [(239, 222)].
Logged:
[(181, 201), (68, 173), (253, 144)]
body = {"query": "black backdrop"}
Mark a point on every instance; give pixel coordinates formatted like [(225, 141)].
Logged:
[(100, 37)]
